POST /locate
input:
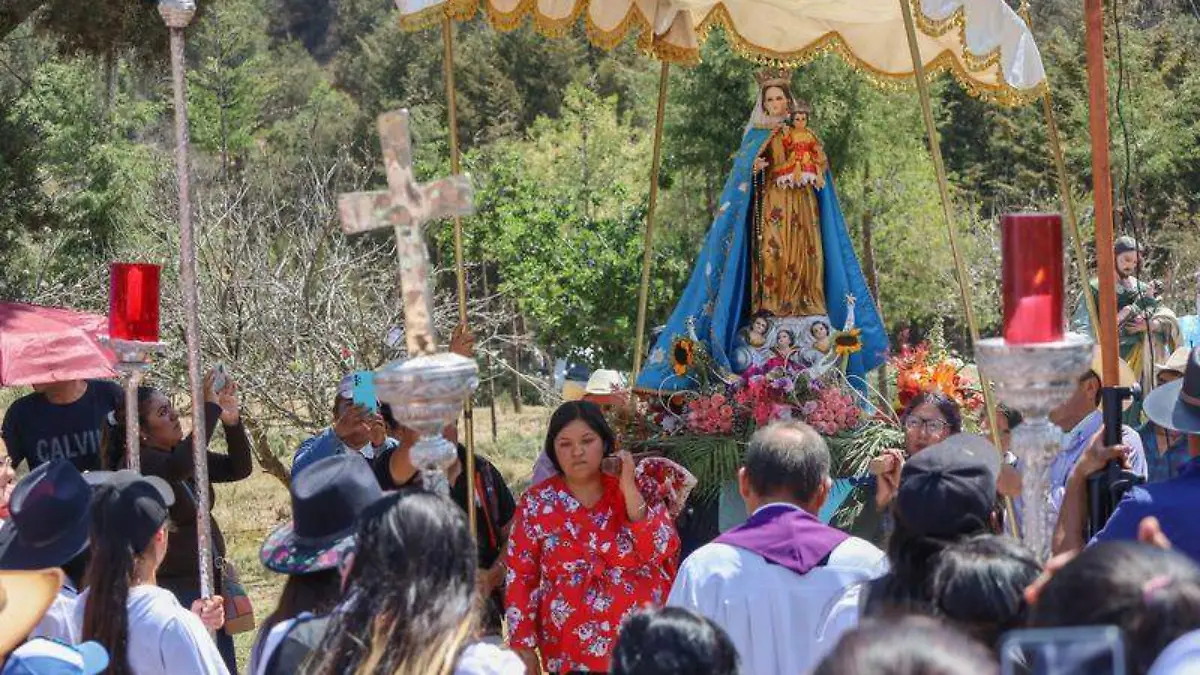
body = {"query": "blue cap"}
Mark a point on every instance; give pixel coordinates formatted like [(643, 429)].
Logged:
[(50, 657)]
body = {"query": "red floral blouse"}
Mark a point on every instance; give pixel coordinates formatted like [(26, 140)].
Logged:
[(574, 573)]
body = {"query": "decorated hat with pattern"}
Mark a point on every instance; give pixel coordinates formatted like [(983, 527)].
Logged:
[(327, 498)]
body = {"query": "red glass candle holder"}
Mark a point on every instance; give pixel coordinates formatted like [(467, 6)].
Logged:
[(1032, 277), (133, 302)]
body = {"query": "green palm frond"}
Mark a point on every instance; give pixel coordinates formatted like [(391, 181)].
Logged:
[(852, 451)]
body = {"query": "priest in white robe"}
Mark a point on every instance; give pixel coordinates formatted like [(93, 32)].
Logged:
[(769, 581)]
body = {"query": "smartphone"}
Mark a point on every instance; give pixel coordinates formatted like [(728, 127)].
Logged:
[(220, 377), (364, 390), (611, 465), (1085, 650)]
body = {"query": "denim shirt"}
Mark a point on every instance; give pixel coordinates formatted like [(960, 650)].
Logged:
[(327, 444), (1163, 465)]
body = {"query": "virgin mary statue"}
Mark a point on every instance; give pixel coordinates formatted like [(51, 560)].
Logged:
[(777, 261)]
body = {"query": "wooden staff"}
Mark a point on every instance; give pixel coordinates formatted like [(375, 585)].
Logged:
[(1102, 193), (1064, 190), (648, 241), (459, 265), (960, 269)]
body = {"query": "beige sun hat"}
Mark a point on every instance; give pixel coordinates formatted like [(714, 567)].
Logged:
[(1176, 363), (604, 382), (1127, 377), (24, 598)]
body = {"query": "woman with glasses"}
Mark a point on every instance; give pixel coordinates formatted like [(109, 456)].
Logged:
[(929, 418), (167, 454)]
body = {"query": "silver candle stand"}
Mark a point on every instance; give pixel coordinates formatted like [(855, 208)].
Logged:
[(133, 360), (1033, 379)]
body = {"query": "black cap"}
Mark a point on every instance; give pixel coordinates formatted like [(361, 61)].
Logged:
[(949, 489), (1176, 405), (134, 506), (1126, 244), (48, 524)]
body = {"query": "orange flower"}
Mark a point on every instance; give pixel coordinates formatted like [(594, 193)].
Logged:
[(848, 342), (682, 356)]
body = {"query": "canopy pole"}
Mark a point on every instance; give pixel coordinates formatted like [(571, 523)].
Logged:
[(459, 264), (648, 241), (1102, 192), (960, 270), (1064, 189)]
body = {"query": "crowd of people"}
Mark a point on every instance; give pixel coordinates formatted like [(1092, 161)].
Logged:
[(582, 573)]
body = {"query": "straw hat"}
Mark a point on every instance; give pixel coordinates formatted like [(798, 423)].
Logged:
[(1127, 378), (24, 598), (1176, 363)]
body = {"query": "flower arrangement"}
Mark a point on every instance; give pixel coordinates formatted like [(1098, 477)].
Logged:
[(710, 415), (925, 368), (739, 407), (832, 411)]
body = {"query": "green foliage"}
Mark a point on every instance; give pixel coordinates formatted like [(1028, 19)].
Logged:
[(557, 135), (561, 216), (92, 173)]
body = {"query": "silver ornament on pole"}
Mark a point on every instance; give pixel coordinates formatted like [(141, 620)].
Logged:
[(426, 391), (1033, 379)]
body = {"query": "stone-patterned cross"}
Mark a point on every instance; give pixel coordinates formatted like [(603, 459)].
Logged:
[(406, 206)]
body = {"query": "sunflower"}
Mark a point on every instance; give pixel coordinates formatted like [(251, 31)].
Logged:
[(683, 353), (847, 342)]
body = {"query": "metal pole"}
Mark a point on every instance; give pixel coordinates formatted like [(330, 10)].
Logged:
[(133, 447), (177, 21), (960, 268), (1102, 192), (459, 264), (648, 242)]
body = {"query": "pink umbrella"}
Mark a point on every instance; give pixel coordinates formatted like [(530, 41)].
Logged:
[(51, 344)]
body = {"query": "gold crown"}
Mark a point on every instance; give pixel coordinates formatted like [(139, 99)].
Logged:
[(773, 77)]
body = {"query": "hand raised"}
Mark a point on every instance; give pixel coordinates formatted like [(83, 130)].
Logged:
[(231, 405)]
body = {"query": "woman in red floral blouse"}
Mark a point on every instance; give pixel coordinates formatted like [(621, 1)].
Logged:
[(587, 547)]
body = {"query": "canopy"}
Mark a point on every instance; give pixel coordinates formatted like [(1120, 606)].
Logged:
[(983, 43), (51, 344)]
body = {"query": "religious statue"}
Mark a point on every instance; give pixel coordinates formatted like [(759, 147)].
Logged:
[(1149, 331), (788, 266), (822, 342), (777, 262), (784, 354)]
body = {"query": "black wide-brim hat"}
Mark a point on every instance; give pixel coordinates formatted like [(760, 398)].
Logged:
[(48, 520), (1176, 405), (327, 498)]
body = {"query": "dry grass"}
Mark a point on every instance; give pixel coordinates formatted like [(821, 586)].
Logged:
[(250, 509)]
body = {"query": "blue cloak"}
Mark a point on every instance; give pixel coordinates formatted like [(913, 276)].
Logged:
[(717, 298)]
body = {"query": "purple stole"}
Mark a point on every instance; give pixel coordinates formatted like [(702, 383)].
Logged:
[(787, 536)]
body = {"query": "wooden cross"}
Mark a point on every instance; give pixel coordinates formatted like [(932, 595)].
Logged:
[(406, 206)]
